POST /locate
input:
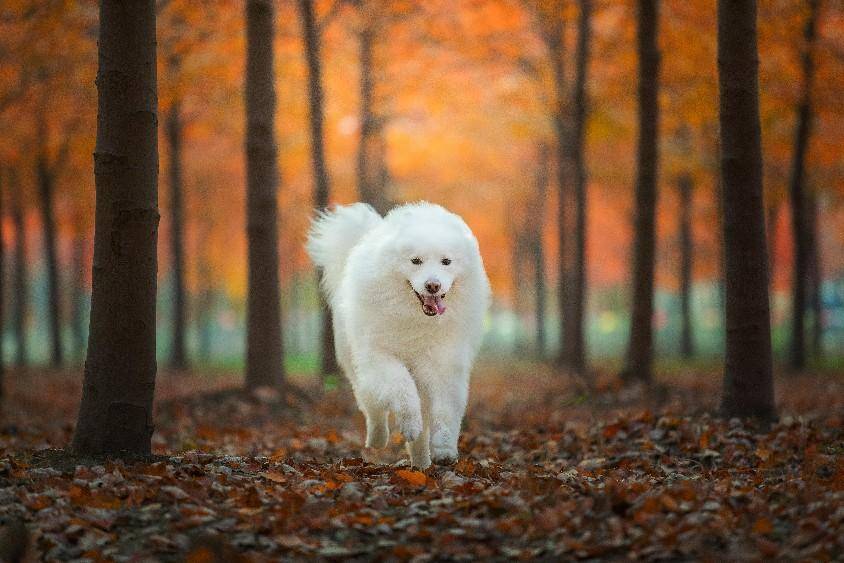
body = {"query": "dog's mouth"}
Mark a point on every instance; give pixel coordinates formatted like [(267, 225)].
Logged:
[(432, 305)]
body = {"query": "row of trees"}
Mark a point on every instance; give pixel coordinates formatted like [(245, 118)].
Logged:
[(127, 220), (569, 119)]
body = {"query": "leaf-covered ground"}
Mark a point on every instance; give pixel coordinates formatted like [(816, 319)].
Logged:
[(546, 472)]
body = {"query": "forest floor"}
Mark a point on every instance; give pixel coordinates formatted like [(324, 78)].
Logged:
[(547, 471)]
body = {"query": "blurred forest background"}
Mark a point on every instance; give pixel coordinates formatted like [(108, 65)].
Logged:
[(469, 104)]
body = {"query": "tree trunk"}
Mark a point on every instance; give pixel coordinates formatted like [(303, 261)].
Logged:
[(556, 50), (748, 381), (815, 274), (78, 302), (2, 280), (577, 354), (264, 359), (538, 250), (516, 270), (640, 351), (311, 35), (20, 291), (175, 134), (46, 184), (365, 182), (800, 231), (116, 411), (684, 185)]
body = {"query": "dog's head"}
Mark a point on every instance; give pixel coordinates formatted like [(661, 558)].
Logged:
[(433, 252)]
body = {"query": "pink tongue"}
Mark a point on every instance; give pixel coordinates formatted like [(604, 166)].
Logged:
[(433, 305)]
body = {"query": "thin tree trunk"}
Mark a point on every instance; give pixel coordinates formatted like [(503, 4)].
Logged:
[(556, 50), (78, 302), (748, 380), (577, 355), (369, 128), (538, 250), (46, 188), (311, 35), (684, 185), (175, 134), (517, 249), (116, 411), (815, 274), (640, 351), (20, 290), (800, 231), (2, 282), (264, 358)]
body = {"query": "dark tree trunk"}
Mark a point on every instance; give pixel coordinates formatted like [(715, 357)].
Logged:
[(371, 170), (116, 411), (748, 381), (20, 291), (264, 359), (77, 318), (366, 189), (538, 250), (311, 34), (2, 280), (640, 351), (175, 134), (555, 40), (516, 270), (815, 274), (577, 354), (684, 185), (799, 223), (46, 188)]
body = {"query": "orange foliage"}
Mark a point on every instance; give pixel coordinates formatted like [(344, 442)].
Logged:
[(466, 91)]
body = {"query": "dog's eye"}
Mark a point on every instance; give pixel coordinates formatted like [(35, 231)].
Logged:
[(445, 261), (416, 261)]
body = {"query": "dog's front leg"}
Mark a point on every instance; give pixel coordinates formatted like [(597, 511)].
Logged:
[(385, 386), (449, 395)]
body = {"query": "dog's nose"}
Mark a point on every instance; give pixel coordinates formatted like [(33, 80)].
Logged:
[(433, 286)]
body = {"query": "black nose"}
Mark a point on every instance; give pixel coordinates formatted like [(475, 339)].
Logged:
[(433, 286)]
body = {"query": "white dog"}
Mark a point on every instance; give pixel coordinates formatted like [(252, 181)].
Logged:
[(408, 293)]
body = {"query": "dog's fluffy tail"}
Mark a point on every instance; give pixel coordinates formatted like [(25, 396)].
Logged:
[(332, 236)]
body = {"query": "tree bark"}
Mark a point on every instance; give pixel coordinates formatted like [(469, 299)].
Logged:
[(264, 359), (799, 223), (815, 274), (311, 34), (46, 188), (77, 318), (640, 351), (748, 381), (538, 250), (20, 291), (371, 171), (2, 282), (685, 186), (577, 354), (115, 416), (517, 258), (555, 41), (175, 134)]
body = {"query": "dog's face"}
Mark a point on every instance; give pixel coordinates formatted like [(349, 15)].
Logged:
[(432, 259)]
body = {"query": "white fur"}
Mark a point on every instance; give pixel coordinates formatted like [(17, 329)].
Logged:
[(397, 359)]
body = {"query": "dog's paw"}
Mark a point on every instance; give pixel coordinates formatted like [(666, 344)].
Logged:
[(409, 422), (443, 446), (444, 458)]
